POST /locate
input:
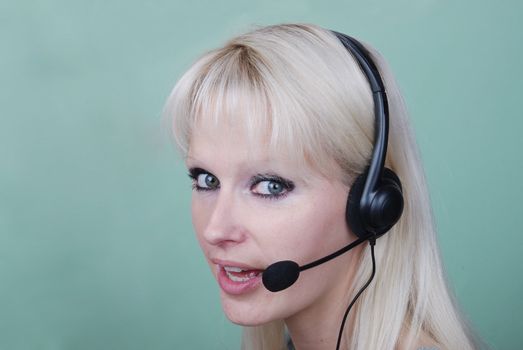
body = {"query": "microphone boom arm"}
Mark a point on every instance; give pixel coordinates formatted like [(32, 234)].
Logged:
[(333, 255)]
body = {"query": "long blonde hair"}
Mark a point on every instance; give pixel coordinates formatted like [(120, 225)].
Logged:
[(297, 84)]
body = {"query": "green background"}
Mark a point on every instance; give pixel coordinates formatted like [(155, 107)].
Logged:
[(96, 242)]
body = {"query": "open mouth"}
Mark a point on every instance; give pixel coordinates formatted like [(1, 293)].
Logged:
[(235, 280), (237, 274)]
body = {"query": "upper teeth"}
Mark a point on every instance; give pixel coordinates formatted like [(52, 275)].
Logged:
[(232, 269)]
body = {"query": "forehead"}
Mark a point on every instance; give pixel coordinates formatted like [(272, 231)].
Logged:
[(229, 143)]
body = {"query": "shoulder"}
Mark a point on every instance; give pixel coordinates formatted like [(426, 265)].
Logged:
[(422, 342)]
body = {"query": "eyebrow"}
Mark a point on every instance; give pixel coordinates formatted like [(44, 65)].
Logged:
[(191, 162)]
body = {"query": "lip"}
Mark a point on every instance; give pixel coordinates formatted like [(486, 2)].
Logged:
[(232, 287), (235, 264)]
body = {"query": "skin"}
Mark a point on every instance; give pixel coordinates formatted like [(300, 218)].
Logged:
[(234, 222)]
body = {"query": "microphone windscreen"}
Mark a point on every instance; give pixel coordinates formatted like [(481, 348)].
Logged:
[(280, 275)]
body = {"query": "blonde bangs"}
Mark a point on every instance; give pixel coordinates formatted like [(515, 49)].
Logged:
[(262, 90), (234, 86), (231, 92)]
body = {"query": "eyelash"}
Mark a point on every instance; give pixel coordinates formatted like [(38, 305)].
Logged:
[(193, 174), (255, 180), (287, 185)]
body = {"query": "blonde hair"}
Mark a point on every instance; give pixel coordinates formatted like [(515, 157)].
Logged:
[(300, 88)]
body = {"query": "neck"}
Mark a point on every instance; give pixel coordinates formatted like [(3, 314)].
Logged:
[(317, 327), (308, 333)]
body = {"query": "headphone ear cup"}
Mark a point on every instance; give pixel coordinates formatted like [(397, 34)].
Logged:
[(390, 178), (352, 210), (387, 203)]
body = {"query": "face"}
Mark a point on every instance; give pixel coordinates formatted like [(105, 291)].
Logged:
[(251, 208)]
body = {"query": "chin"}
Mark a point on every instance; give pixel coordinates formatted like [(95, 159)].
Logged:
[(245, 312)]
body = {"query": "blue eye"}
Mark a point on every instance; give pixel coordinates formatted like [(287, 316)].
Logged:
[(207, 181), (271, 186), (203, 180)]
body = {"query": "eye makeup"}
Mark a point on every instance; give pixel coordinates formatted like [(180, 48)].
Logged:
[(287, 185), (212, 183), (210, 180)]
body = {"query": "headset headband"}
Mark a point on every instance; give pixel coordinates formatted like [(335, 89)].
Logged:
[(381, 116)]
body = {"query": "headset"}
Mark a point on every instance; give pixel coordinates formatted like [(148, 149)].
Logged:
[(375, 200)]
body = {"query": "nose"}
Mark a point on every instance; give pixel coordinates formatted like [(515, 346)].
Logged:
[(224, 226)]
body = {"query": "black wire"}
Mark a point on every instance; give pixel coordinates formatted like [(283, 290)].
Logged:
[(372, 242)]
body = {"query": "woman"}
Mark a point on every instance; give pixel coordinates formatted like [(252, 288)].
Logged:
[(275, 128)]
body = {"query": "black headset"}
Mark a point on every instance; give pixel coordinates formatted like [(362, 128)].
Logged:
[(375, 201)]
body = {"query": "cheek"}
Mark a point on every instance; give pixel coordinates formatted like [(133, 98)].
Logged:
[(314, 229), (200, 214)]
